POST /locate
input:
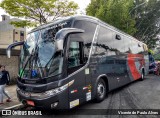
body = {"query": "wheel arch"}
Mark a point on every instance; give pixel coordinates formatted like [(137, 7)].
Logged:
[(105, 78)]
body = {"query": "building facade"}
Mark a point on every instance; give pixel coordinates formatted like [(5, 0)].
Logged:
[(8, 35)]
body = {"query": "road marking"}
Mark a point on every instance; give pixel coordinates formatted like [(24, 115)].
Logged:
[(13, 106)]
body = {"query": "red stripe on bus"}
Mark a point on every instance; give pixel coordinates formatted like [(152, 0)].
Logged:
[(131, 62)]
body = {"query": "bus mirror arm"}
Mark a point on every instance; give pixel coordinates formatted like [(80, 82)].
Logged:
[(8, 51)]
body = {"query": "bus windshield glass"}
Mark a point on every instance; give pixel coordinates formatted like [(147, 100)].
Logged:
[(39, 58)]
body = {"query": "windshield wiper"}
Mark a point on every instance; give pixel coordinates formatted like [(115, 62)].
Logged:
[(29, 60), (53, 57), (39, 64)]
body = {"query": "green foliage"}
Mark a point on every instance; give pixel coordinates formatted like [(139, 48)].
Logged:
[(114, 12), (139, 18), (157, 57), (38, 11), (147, 20), (24, 23), (151, 51), (156, 53)]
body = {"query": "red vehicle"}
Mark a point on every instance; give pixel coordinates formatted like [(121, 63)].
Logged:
[(157, 69)]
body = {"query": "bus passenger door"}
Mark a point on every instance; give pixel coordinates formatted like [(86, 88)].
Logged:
[(76, 72)]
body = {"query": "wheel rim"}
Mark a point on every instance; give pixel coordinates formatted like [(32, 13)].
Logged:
[(101, 90)]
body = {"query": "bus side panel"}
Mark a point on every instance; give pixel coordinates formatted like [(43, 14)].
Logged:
[(135, 63), (105, 65), (111, 59)]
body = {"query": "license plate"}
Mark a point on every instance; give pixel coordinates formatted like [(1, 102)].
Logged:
[(30, 103)]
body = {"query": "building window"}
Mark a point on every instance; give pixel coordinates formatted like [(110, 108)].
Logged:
[(4, 19), (21, 33)]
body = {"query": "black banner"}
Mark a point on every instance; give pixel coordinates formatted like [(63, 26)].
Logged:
[(83, 112)]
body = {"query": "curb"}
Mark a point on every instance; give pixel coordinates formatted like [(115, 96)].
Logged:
[(10, 108), (13, 107)]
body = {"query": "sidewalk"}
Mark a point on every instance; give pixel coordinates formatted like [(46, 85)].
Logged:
[(11, 90)]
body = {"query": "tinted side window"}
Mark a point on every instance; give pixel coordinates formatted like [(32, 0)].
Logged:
[(127, 45), (87, 36), (119, 43), (104, 45), (74, 57), (140, 48), (50, 32), (136, 47)]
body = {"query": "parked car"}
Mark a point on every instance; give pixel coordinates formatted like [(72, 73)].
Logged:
[(153, 67), (157, 72)]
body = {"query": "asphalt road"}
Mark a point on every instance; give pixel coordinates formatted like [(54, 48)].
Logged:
[(137, 95)]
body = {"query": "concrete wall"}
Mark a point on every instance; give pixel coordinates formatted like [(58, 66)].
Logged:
[(6, 38), (10, 34), (11, 65)]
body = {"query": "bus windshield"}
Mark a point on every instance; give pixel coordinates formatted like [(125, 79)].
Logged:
[(39, 57)]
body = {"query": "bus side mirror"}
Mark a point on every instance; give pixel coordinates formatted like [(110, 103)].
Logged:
[(62, 34), (8, 51), (59, 44)]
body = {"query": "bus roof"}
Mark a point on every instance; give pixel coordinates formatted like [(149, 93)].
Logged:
[(76, 17)]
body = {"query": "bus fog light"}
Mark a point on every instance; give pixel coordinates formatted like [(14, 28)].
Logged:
[(54, 105)]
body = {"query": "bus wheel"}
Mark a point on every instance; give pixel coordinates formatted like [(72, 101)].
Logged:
[(100, 91), (142, 75)]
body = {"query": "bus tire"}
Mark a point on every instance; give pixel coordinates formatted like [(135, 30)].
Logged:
[(100, 90), (142, 75)]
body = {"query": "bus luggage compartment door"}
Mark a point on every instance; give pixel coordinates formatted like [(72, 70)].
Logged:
[(76, 93)]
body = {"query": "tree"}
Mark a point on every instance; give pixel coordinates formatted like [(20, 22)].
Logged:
[(147, 21), (37, 12), (139, 18), (114, 12)]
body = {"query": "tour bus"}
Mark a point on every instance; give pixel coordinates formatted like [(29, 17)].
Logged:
[(76, 59)]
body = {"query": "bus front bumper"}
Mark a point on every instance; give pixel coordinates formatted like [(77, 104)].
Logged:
[(59, 101)]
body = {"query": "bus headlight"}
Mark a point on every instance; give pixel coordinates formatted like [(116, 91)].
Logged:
[(47, 93), (58, 90), (53, 91)]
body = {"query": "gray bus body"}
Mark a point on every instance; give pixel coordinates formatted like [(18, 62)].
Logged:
[(89, 62)]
